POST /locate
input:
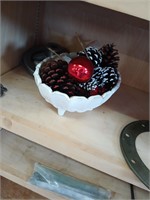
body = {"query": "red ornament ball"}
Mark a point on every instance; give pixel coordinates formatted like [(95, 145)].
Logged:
[(81, 69)]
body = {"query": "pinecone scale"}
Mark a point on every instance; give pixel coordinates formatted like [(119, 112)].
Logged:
[(110, 56)]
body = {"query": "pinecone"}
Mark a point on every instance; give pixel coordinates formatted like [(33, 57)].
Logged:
[(96, 58), (108, 80), (93, 54), (110, 56), (102, 81), (55, 75), (94, 81)]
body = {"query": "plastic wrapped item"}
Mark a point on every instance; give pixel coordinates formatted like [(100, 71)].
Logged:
[(65, 185)]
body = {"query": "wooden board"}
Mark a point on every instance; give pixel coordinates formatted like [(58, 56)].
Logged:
[(12, 190), (137, 8), (18, 156), (91, 138), (18, 31)]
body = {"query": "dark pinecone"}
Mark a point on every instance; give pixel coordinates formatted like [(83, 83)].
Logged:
[(110, 56), (109, 79), (96, 58), (93, 54), (103, 80), (55, 75), (94, 81)]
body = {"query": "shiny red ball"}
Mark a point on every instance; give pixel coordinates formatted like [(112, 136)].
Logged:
[(81, 69)]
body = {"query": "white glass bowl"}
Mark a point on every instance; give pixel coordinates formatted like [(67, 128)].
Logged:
[(63, 102)]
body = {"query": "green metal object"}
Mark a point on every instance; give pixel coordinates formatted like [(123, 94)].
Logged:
[(65, 185), (127, 142)]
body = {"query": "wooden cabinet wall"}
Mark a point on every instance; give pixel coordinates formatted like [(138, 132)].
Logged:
[(25, 24)]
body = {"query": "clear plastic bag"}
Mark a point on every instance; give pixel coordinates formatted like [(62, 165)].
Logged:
[(65, 185)]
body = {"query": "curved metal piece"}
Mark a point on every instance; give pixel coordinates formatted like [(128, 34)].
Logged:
[(33, 56), (127, 142), (38, 53)]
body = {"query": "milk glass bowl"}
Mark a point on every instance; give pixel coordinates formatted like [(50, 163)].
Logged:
[(63, 102)]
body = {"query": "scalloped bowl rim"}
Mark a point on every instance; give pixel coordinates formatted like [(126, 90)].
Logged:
[(63, 102)]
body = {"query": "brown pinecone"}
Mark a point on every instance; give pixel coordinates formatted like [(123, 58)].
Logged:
[(55, 75), (110, 56)]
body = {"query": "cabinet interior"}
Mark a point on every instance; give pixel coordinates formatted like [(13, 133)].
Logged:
[(26, 24)]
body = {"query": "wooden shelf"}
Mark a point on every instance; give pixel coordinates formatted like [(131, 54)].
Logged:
[(137, 8), (19, 155), (91, 138)]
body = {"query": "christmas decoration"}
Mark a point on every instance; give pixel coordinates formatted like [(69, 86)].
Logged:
[(110, 56), (110, 77), (55, 74), (93, 82), (61, 101), (81, 69), (79, 83), (104, 78), (93, 54), (92, 72), (96, 58)]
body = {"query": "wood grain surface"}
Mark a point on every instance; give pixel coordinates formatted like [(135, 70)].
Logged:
[(19, 155), (11, 190), (17, 31), (91, 138)]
